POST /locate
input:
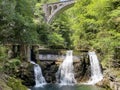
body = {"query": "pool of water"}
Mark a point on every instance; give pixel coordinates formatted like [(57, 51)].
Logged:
[(75, 87)]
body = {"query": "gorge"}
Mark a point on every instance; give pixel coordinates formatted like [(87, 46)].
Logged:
[(65, 74), (60, 44)]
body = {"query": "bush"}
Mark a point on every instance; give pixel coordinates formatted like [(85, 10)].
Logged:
[(16, 84), (3, 53), (11, 66)]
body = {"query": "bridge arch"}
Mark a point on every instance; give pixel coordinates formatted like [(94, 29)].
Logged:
[(53, 9)]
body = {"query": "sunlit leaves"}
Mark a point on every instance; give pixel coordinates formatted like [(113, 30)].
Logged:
[(55, 39), (95, 21)]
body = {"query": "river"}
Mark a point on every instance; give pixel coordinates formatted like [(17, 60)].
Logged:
[(74, 87)]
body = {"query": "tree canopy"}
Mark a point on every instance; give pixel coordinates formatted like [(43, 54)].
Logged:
[(89, 24)]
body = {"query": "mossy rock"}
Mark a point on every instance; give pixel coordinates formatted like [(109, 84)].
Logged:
[(16, 84), (4, 86)]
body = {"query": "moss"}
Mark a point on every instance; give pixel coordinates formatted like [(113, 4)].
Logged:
[(16, 84)]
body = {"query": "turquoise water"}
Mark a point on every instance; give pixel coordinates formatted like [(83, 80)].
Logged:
[(75, 87)]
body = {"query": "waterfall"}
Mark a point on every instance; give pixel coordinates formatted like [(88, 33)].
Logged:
[(39, 79), (96, 74), (65, 74)]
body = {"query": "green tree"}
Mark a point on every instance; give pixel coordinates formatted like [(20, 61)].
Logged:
[(18, 26), (95, 24)]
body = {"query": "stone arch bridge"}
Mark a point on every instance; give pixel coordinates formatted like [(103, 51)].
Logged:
[(53, 9)]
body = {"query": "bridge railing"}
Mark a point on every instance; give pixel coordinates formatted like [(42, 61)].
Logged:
[(59, 2)]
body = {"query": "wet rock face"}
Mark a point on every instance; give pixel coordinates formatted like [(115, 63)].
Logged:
[(28, 77), (49, 69), (26, 74), (82, 70)]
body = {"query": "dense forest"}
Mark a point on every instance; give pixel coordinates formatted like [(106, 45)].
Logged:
[(88, 25)]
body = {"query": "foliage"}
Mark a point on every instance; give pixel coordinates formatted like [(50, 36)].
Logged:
[(55, 40), (11, 66), (17, 22), (16, 84), (96, 24), (60, 27), (3, 51), (8, 66), (89, 24), (3, 57)]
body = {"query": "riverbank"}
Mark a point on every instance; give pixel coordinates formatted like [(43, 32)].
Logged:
[(111, 80), (11, 83), (3, 84), (114, 78), (21, 74)]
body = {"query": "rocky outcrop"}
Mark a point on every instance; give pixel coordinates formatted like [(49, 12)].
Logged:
[(109, 82), (4, 86), (10, 83), (104, 83), (49, 69), (26, 74), (115, 85), (82, 69)]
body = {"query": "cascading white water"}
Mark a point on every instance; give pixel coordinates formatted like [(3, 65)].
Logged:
[(96, 74), (65, 74), (39, 79)]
